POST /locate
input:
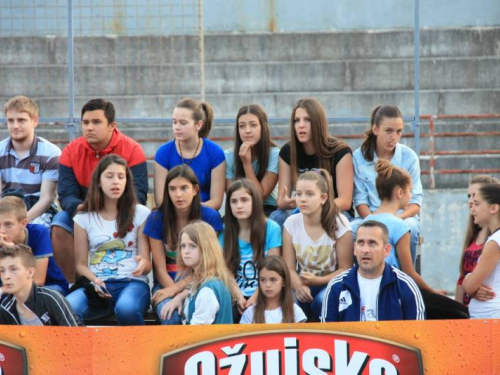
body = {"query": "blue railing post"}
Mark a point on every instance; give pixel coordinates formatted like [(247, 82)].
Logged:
[(70, 126), (416, 76)]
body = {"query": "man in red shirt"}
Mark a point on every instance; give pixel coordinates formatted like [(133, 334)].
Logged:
[(76, 164)]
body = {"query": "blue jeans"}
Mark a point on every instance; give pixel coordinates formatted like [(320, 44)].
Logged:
[(175, 319), (130, 299), (313, 309), (279, 216), (414, 224), (57, 288), (64, 220)]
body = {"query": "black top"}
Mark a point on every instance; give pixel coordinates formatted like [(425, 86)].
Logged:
[(308, 162), (48, 305)]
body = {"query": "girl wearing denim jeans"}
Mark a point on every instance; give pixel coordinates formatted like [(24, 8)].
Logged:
[(110, 247)]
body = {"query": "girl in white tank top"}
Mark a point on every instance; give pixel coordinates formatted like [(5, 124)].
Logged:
[(483, 284)]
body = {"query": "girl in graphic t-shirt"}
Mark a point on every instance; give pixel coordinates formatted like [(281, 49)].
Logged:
[(254, 156), (275, 301), (181, 205), (110, 247), (191, 124), (248, 237), (475, 237), (486, 212), (312, 147), (317, 241)]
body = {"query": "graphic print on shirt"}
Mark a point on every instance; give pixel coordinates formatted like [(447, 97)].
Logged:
[(368, 315), (316, 259), (106, 260), (246, 277)]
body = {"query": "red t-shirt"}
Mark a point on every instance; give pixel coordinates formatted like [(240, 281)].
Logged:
[(471, 255)]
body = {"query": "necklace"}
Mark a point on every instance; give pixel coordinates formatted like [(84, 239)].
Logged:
[(195, 151)]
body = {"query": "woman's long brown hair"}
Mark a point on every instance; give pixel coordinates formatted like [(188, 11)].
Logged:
[(167, 208), (262, 148), (330, 211), (277, 264), (258, 229), (94, 202), (325, 146)]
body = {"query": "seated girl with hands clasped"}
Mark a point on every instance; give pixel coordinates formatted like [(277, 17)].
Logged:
[(317, 241), (254, 155), (181, 204), (210, 299), (486, 212), (110, 247), (275, 299), (248, 237)]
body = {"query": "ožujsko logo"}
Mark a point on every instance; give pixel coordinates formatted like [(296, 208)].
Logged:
[(13, 359), (294, 353)]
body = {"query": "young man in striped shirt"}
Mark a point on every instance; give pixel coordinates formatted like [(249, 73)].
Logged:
[(29, 164), (372, 290)]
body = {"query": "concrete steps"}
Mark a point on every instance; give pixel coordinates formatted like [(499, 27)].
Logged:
[(254, 77), (328, 46)]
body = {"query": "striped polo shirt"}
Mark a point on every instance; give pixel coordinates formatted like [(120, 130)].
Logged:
[(27, 173)]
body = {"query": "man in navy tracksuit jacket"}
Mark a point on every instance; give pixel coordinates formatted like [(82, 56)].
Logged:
[(372, 290)]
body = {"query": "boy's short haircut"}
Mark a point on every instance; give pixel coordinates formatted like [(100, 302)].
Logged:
[(15, 205), (19, 251), (97, 104), (21, 104)]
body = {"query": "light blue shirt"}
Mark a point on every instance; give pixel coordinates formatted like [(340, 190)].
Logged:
[(246, 276), (365, 191), (272, 166), (397, 228)]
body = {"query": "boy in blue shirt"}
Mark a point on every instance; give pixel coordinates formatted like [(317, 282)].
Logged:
[(14, 230)]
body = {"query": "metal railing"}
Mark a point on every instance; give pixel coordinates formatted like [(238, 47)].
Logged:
[(432, 153)]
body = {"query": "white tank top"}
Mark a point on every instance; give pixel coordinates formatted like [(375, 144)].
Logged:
[(489, 309)]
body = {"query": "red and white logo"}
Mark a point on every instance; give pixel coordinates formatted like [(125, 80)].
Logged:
[(294, 353), (13, 359)]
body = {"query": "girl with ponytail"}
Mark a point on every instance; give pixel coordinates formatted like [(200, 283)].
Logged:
[(317, 241), (394, 188), (382, 143), (191, 124)]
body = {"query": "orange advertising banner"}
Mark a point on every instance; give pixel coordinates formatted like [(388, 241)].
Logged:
[(420, 347)]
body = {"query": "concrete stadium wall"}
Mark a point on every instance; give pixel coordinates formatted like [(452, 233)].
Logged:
[(443, 223)]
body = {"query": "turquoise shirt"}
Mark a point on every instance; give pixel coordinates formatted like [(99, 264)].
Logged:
[(221, 291), (272, 166)]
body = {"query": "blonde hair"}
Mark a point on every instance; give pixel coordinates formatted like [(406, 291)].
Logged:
[(13, 205), (212, 263), (21, 104)]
